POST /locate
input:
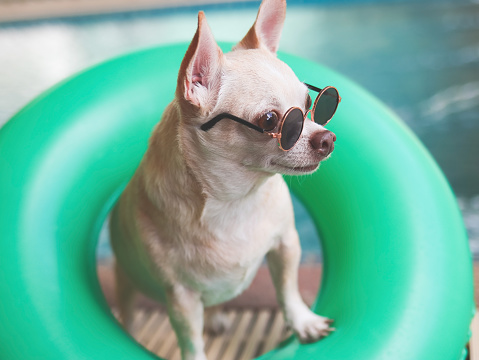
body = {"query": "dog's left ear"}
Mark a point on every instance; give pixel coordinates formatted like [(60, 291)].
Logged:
[(199, 76), (266, 30)]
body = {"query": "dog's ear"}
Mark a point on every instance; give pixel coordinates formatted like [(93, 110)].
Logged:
[(266, 30), (199, 76)]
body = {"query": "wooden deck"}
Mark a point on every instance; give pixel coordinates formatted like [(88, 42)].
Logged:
[(257, 325), (253, 332), (24, 10), (474, 342)]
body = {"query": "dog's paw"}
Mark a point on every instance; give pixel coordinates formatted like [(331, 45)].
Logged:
[(310, 327), (217, 323)]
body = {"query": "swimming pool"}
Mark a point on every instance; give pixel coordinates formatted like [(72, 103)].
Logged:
[(421, 58)]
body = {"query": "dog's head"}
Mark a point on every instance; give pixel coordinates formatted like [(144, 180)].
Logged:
[(251, 84)]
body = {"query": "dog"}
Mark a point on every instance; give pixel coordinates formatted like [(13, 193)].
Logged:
[(208, 202)]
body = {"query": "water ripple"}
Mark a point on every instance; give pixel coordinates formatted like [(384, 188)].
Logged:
[(452, 100)]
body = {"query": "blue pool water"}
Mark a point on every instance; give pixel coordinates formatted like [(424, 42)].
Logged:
[(421, 58)]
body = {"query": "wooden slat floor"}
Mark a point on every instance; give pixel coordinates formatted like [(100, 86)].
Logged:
[(253, 332), (20, 10), (474, 341)]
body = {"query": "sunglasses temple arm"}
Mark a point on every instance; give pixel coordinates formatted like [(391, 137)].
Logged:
[(314, 88), (208, 125)]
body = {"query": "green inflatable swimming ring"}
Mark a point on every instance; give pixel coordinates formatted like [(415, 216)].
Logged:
[(397, 268)]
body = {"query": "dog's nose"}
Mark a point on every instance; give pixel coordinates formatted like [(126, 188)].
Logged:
[(323, 142)]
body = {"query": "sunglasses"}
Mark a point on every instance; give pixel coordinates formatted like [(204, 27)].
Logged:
[(291, 125)]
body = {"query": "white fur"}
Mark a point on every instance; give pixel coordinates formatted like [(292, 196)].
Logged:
[(204, 208)]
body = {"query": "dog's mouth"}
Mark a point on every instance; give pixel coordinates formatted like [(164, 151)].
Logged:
[(296, 169)]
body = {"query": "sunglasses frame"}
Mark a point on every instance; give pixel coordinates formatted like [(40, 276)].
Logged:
[(320, 93), (277, 135)]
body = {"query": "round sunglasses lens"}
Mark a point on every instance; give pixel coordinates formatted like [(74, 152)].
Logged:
[(292, 128), (326, 106)]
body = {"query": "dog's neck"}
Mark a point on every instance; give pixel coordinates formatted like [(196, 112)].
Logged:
[(221, 178), (194, 173)]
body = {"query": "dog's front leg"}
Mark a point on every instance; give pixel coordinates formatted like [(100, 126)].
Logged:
[(185, 310), (283, 262)]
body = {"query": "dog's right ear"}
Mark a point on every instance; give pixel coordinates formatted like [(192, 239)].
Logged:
[(199, 77)]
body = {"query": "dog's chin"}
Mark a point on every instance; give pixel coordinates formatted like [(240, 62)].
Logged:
[(294, 170)]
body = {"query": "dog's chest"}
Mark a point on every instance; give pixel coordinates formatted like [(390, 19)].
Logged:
[(243, 228), (239, 235)]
